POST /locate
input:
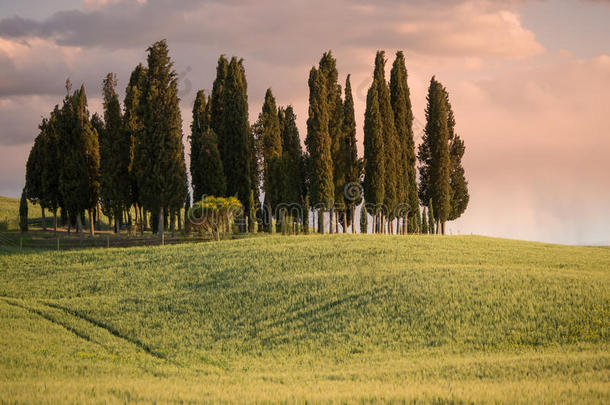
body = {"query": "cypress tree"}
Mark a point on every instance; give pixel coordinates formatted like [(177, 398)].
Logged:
[(374, 155), (236, 134), (431, 219), (424, 226), (199, 127), (403, 119), (217, 103), (115, 153), (161, 170), (23, 211), (318, 143), (79, 157), (50, 164), (133, 120), (212, 180), (390, 139), (292, 158), (350, 152), (34, 170), (457, 178), (364, 222), (252, 223), (328, 69), (434, 156), (272, 151)]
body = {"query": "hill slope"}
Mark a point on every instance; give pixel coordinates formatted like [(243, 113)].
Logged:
[(325, 318)]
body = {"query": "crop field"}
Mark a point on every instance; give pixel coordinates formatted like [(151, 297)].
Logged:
[(336, 318)]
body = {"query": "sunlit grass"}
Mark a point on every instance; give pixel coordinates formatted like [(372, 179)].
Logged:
[(338, 318)]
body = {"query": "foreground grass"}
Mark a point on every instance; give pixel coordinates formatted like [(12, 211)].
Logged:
[(335, 318)]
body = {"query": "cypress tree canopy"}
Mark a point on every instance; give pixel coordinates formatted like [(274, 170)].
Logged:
[(403, 119), (374, 154), (236, 136), (160, 166), (218, 101), (318, 143), (434, 154), (390, 139), (292, 155), (133, 121), (349, 147), (115, 145), (199, 126)]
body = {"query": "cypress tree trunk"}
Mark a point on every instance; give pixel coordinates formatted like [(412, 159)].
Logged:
[(331, 220), (321, 221), (161, 224), (336, 222), (353, 219), (79, 225), (44, 220), (179, 220), (137, 218), (145, 220), (98, 217), (55, 220), (91, 223)]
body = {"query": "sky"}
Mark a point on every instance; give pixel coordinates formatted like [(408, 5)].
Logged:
[(529, 83)]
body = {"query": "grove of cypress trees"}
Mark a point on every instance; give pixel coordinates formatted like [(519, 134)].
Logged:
[(234, 143), (115, 154), (318, 143), (374, 156), (434, 156), (403, 119), (160, 165), (23, 211)]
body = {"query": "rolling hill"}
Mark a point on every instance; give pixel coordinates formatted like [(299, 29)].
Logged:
[(339, 318)]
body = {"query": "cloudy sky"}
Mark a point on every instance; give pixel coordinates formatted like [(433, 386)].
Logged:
[(529, 83)]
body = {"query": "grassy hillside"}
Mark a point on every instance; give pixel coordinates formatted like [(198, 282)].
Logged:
[(337, 318)]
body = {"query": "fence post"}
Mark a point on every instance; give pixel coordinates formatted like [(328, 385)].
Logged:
[(20, 243)]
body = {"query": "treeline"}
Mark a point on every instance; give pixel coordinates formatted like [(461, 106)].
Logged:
[(133, 159)]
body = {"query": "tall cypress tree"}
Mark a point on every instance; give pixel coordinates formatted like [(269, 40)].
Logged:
[(34, 170), (403, 119), (328, 69), (457, 180), (390, 139), (115, 153), (23, 212), (434, 156), (318, 143), (133, 120), (374, 155), (217, 103), (236, 134), (350, 153), (431, 219), (50, 164), (292, 156), (79, 157), (161, 170), (199, 126), (272, 151)]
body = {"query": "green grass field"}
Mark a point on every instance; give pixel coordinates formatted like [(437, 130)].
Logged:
[(340, 318)]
